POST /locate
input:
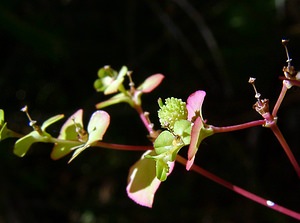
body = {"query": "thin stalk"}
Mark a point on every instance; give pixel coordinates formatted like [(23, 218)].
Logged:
[(148, 125), (286, 148), (122, 147), (237, 127), (240, 191), (279, 100)]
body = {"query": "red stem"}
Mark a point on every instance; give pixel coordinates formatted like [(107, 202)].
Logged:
[(223, 182), (122, 147), (286, 148), (237, 127), (279, 100), (145, 121), (239, 190)]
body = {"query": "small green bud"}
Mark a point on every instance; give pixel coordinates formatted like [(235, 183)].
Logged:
[(173, 110)]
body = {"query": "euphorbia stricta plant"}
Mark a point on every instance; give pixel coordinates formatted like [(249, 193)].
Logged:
[(182, 126)]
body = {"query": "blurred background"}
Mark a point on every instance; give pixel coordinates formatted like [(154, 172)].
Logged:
[(51, 52)]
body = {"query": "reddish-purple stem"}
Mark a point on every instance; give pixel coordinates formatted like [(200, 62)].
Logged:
[(279, 100), (239, 190), (122, 147), (145, 120), (237, 127), (221, 181), (286, 147)]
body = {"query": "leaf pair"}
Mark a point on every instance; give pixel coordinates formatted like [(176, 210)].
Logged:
[(70, 137), (110, 82)]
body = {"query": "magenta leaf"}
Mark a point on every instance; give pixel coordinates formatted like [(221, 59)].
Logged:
[(199, 130), (194, 104), (151, 83)]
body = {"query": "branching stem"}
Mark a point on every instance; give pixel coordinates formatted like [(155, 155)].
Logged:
[(239, 190), (279, 100), (286, 148), (238, 127)]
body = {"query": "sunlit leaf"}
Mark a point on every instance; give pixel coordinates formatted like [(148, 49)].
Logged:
[(3, 126), (106, 76), (4, 133), (23, 144), (1, 117), (162, 169), (194, 104), (114, 86), (118, 98), (164, 142), (142, 181), (151, 83), (68, 132), (62, 149), (183, 129), (97, 127), (50, 121), (199, 132)]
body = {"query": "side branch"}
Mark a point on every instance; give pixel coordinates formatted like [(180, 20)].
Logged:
[(286, 148), (122, 147), (240, 191), (237, 127)]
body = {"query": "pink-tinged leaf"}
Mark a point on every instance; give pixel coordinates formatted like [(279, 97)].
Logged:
[(142, 182), (68, 132), (189, 163), (194, 104), (198, 133), (97, 127), (114, 86), (151, 83), (195, 142)]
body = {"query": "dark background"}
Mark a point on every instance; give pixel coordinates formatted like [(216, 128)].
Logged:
[(50, 54)]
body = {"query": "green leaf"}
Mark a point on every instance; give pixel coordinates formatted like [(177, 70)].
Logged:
[(118, 98), (62, 149), (107, 71), (114, 86), (4, 132), (106, 76), (50, 121), (183, 129), (68, 132), (23, 144), (164, 142), (1, 117), (162, 169), (97, 127)]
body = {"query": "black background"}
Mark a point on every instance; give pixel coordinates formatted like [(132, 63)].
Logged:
[(50, 54)]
